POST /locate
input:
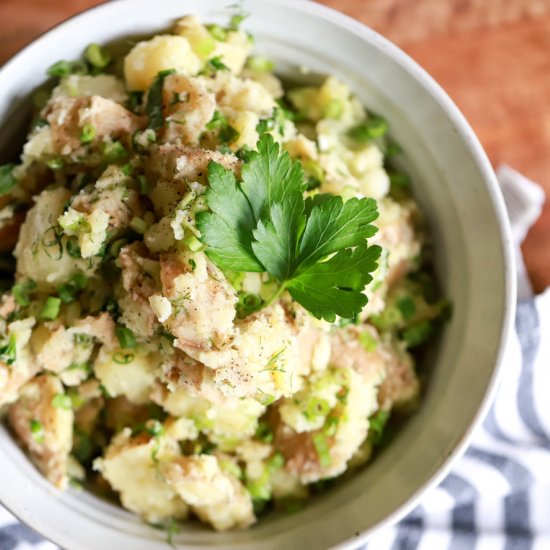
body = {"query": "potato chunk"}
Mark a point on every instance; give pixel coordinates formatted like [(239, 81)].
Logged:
[(148, 58), (45, 430)]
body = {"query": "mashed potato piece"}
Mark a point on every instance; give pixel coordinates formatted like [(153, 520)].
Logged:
[(135, 361)]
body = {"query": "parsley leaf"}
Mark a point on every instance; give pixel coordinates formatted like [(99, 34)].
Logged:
[(315, 248), (335, 287), (228, 228)]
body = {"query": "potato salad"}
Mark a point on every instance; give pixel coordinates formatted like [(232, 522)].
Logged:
[(214, 283)]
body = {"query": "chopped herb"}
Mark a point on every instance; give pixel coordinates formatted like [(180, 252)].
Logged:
[(50, 309), (218, 32), (62, 401), (21, 292), (407, 307), (96, 56), (418, 333), (127, 169), (88, 133), (217, 121), (68, 291), (125, 337), (60, 69), (193, 264), (374, 127), (143, 185), (154, 428), (8, 352), (7, 179), (264, 224), (116, 246), (248, 303), (331, 425), (37, 431), (399, 180), (215, 64), (55, 163), (134, 101), (153, 109), (260, 64), (276, 462), (320, 443), (113, 151), (73, 248), (123, 358), (315, 407), (333, 109), (264, 433), (260, 488), (377, 423), (172, 529), (138, 225), (393, 149), (236, 20), (368, 341)]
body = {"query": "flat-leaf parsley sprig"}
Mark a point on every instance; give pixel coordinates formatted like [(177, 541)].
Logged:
[(316, 248)]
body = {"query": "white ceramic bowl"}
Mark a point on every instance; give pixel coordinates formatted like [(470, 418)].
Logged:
[(457, 190)]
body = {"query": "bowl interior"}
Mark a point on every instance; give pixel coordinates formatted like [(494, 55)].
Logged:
[(457, 192)]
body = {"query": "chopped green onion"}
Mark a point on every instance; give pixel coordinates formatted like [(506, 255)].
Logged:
[(113, 151), (138, 225), (123, 358), (60, 69), (62, 401), (8, 352), (333, 109), (116, 247), (374, 127), (96, 56), (154, 428), (248, 303), (388, 319), (192, 243), (127, 169), (218, 32), (320, 443), (21, 292), (418, 333), (125, 337), (218, 120), (368, 341), (7, 179), (55, 163), (231, 468), (204, 47), (315, 407), (37, 431), (407, 307), (134, 100), (259, 489), (331, 425), (67, 292), (260, 64), (50, 310), (276, 462), (88, 133)]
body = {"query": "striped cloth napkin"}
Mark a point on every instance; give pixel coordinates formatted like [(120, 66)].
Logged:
[(498, 494)]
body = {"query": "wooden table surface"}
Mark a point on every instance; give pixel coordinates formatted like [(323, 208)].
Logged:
[(492, 57)]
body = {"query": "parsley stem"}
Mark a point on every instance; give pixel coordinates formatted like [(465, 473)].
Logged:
[(276, 295)]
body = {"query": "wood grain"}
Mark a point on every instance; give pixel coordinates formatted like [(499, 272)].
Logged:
[(492, 57)]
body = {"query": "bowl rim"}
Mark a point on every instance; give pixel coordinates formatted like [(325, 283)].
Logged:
[(475, 149)]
